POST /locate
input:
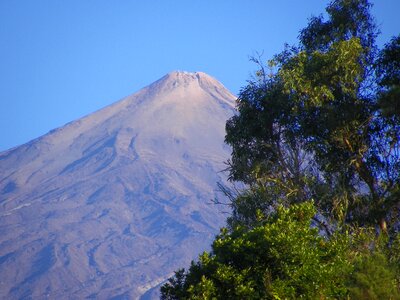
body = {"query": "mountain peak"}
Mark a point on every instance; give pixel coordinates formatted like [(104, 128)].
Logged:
[(193, 81), (184, 76), (111, 204), (189, 75)]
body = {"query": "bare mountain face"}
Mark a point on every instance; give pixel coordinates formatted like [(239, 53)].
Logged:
[(108, 206)]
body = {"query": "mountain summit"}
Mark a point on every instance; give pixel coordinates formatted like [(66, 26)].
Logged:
[(111, 204)]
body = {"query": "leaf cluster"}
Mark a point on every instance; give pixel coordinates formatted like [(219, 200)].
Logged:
[(325, 125), (283, 257)]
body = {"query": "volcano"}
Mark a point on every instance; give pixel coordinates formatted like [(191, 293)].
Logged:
[(109, 205)]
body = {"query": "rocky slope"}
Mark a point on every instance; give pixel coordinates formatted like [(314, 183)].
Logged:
[(108, 206)]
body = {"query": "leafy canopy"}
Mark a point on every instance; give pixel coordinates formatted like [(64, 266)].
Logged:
[(281, 258), (324, 122)]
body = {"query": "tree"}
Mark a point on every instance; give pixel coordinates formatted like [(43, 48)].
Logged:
[(375, 266), (373, 278), (283, 257), (323, 124), (388, 67)]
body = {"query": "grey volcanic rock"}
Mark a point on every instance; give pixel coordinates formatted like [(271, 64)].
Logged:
[(111, 204)]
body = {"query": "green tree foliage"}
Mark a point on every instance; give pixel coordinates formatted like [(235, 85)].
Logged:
[(317, 141), (323, 123), (389, 74), (375, 266), (373, 278), (283, 257)]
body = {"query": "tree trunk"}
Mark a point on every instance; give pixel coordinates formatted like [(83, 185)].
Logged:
[(383, 225)]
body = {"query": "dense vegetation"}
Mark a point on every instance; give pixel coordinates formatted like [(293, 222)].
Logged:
[(316, 140)]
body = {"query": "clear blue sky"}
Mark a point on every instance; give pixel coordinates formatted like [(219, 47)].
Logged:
[(61, 60)]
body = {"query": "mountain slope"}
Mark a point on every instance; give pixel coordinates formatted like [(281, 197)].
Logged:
[(110, 204)]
